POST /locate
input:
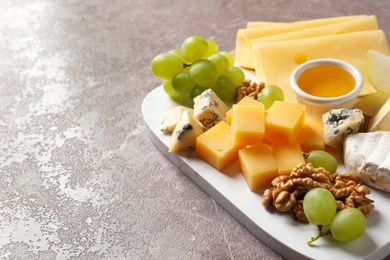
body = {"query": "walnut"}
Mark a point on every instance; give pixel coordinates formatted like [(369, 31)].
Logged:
[(288, 190), (250, 89)]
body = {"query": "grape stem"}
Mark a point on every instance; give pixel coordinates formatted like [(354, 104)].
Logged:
[(322, 231)]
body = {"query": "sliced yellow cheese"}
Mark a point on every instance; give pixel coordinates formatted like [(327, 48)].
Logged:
[(215, 146), (381, 120), (244, 101), (255, 24), (247, 124), (364, 23), (287, 156), (284, 121), (350, 47), (258, 166), (244, 36), (311, 136)]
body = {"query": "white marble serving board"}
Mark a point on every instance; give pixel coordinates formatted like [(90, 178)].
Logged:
[(279, 231)]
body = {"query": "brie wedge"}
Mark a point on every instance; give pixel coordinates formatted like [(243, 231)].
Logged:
[(368, 155)]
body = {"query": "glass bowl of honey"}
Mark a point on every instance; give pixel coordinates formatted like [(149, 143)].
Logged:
[(325, 84)]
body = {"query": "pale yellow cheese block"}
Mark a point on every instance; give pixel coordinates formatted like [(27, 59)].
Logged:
[(247, 124), (258, 166), (275, 61), (243, 48), (359, 24), (287, 156)]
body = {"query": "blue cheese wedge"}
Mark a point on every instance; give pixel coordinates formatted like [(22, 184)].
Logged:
[(381, 120), (209, 109), (367, 154), (172, 116), (185, 133), (339, 123)]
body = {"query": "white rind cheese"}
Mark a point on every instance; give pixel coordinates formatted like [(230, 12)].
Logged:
[(339, 123), (171, 117), (185, 133), (381, 120), (209, 109), (367, 154)]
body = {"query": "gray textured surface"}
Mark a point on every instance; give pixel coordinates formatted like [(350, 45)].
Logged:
[(79, 177)]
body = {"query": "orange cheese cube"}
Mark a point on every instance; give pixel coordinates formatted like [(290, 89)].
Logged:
[(244, 101), (247, 124), (215, 146), (311, 136), (287, 156), (284, 121), (258, 166)]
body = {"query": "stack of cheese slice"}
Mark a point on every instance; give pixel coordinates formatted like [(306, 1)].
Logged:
[(274, 50)]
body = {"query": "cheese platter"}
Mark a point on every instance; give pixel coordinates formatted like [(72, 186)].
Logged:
[(277, 130), (279, 231)]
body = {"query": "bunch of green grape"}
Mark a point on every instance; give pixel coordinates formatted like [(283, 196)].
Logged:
[(198, 66), (320, 208)]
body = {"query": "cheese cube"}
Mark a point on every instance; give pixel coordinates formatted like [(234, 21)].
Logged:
[(247, 124), (171, 117), (215, 146), (258, 166), (287, 156), (381, 120), (244, 101), (311, 136), (209, 109), (284, 121), (185, 133)]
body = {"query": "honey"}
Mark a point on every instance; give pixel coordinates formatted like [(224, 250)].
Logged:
[(326, 81)]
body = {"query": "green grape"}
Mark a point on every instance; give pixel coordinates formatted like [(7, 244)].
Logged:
[(348, 224), (225, 89), (179, 53), (220, 61), (322, 159), (269, 94), (167, 86), (176, 52), (236, 74), (319, 206), (182, 83), (194, 48), (166, 65), (196, 91), (228, 56), (204, 73), (213, 48)]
